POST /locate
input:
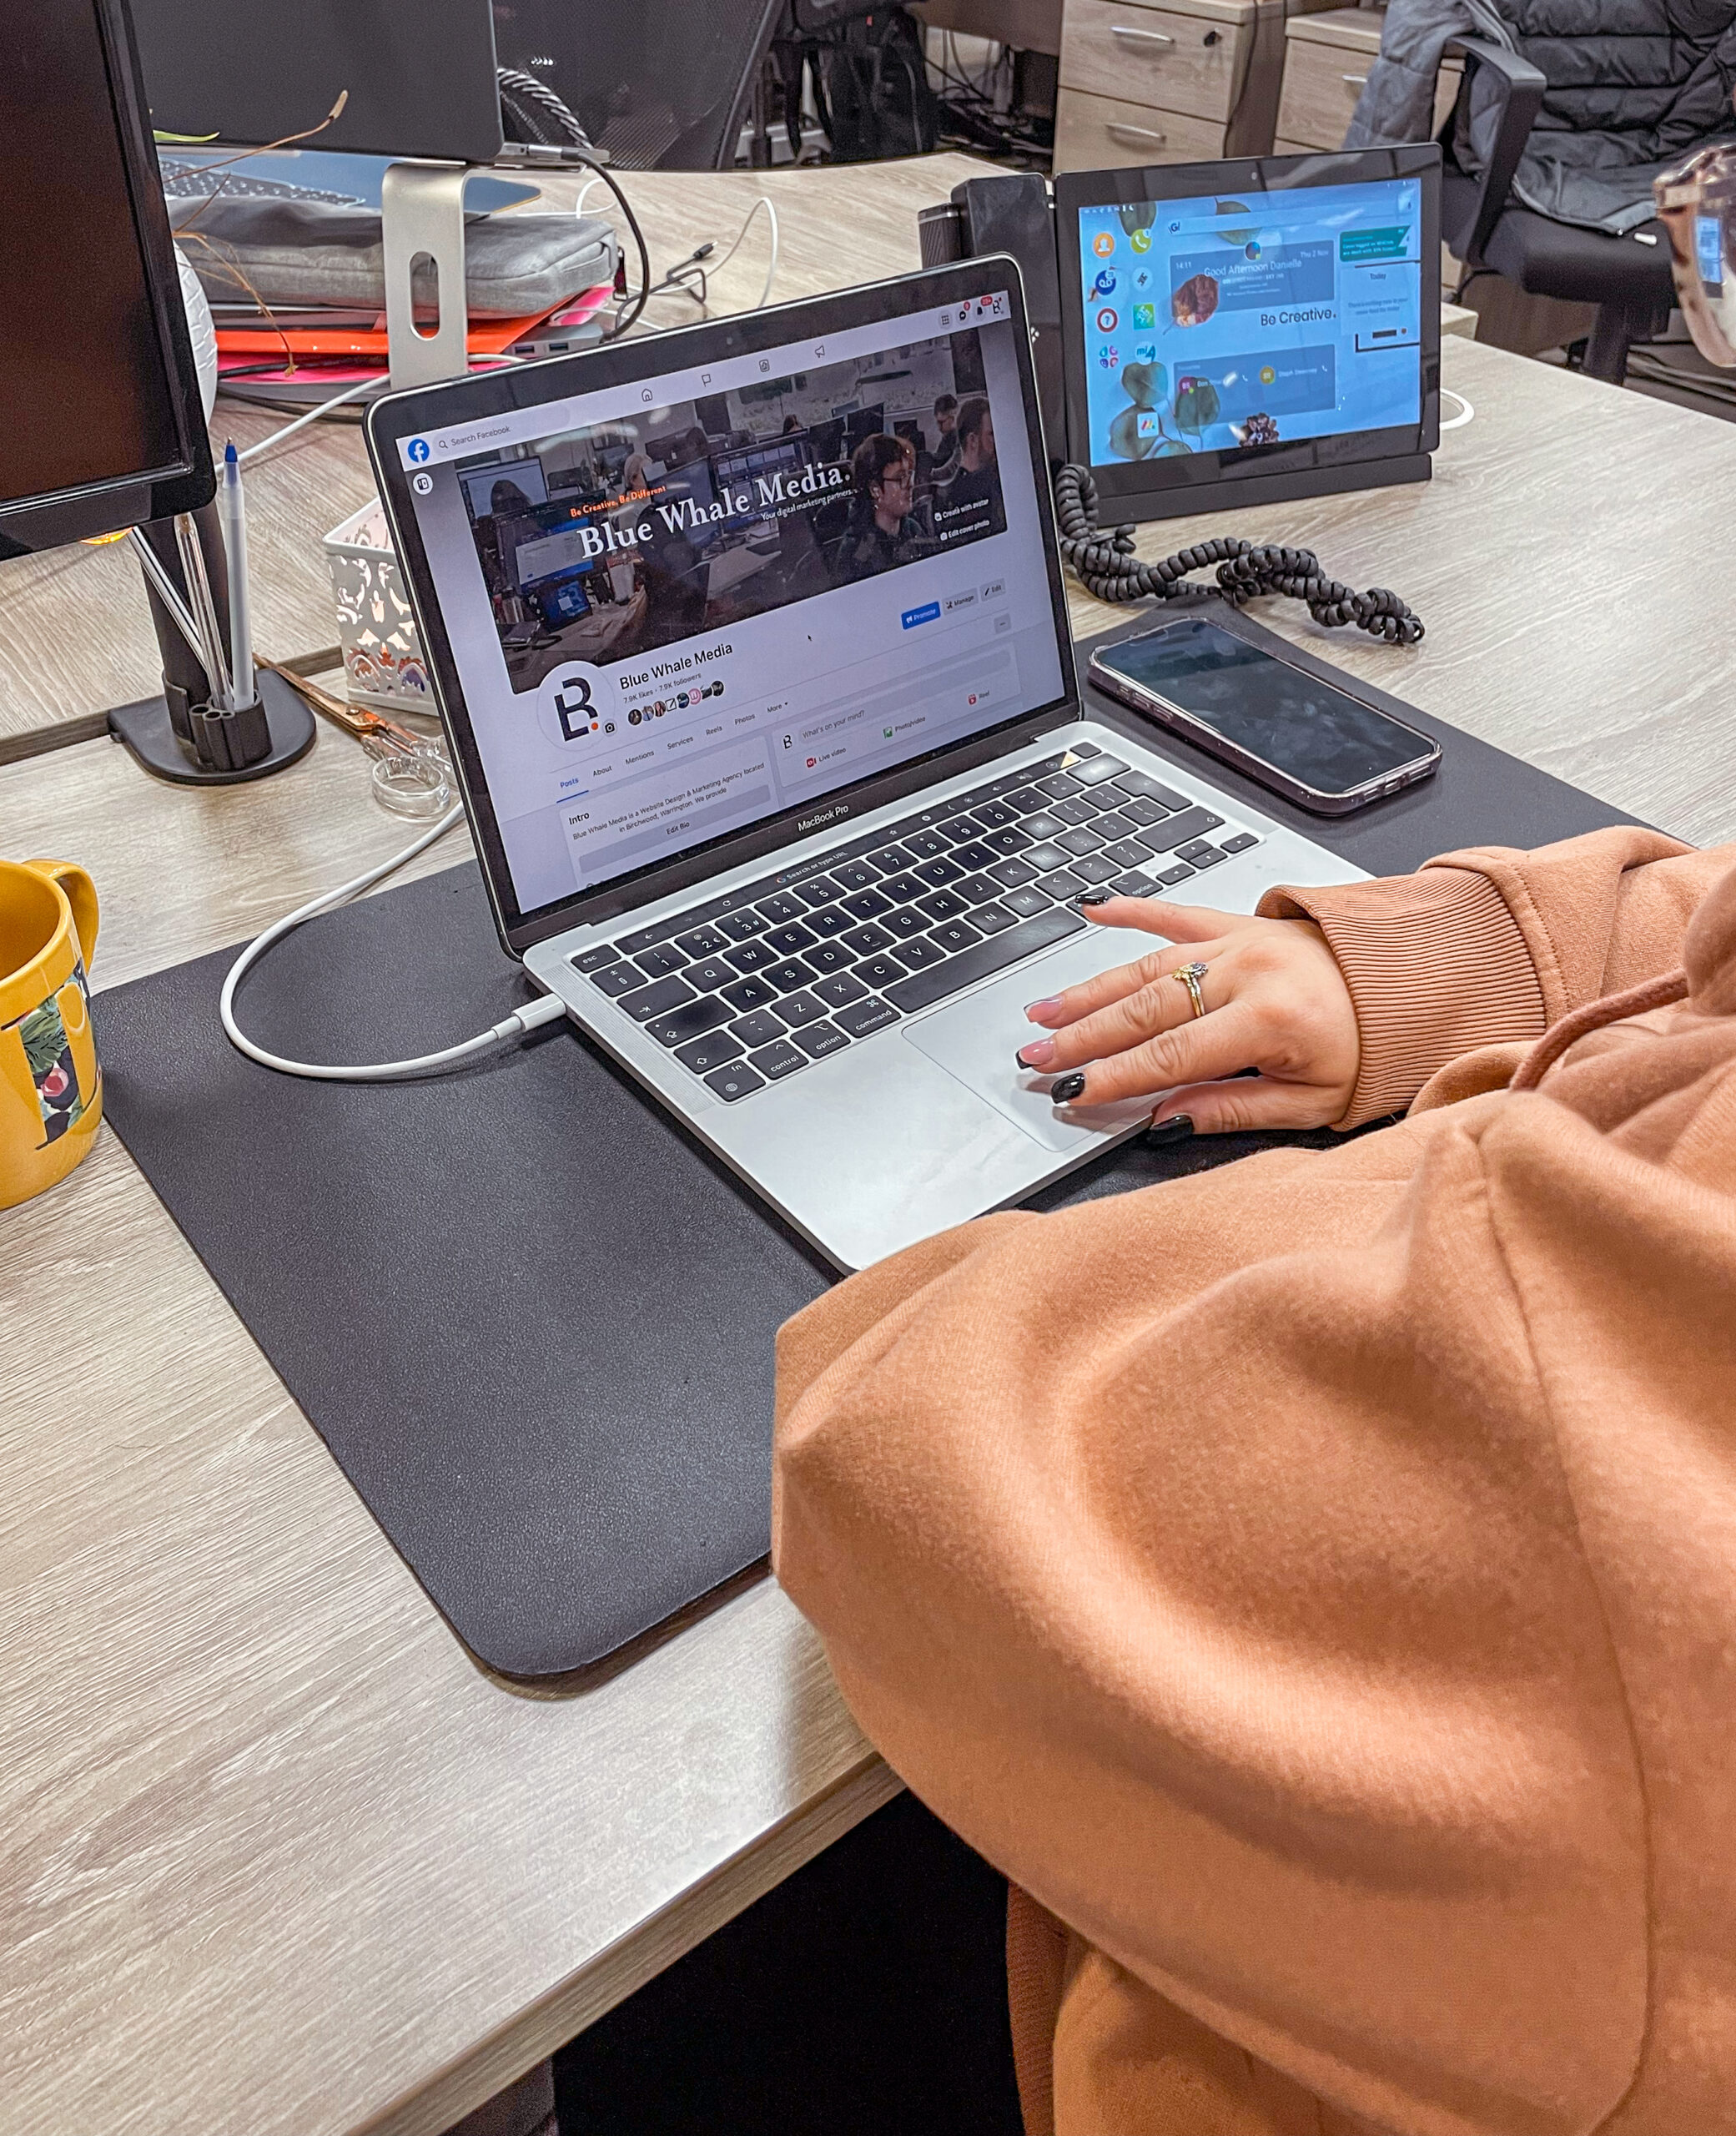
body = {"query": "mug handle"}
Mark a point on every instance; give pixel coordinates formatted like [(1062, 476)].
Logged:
[(81, 893)]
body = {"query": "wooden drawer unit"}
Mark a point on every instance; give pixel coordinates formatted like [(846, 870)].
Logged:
[(1105, 133), (1327, 60), (1172, 61), (1182, 81)]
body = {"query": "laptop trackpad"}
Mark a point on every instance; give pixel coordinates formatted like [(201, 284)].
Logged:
[(975, 1040)]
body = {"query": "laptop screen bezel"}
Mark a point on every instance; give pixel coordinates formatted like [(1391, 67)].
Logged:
[(1199, 482), (402, 415)]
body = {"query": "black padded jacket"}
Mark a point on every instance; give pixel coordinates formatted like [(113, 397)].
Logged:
[(1633, 86)]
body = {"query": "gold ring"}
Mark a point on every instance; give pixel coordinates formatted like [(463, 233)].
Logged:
[(1190, 976)]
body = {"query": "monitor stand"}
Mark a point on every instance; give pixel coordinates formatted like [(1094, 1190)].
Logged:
[(148, 734), (421, 211)]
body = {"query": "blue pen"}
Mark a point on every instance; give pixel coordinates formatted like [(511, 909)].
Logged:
[(232, 509)]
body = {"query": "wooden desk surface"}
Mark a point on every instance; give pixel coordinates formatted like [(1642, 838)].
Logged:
[(274, 1854)]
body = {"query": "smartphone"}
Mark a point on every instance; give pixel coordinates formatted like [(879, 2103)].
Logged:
[(1317, 744)]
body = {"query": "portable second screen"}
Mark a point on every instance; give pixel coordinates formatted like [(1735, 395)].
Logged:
[(1214, 324)]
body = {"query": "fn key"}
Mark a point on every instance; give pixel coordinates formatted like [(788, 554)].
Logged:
[(738, 1081)]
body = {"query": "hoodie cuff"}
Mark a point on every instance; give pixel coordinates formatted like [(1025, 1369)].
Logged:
[(1436, 966)]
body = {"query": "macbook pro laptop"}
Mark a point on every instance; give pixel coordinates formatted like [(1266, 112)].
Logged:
[(773, 748)]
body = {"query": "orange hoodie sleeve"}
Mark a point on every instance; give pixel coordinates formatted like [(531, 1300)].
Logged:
[(1308, 1579), (1469, 961), (1200, 1555)]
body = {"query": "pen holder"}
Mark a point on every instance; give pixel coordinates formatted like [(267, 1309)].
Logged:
[(182, 736)]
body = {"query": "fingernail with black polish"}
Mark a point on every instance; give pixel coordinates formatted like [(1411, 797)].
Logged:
[(1161, 1133), (1065, 1089), (1091, 898)]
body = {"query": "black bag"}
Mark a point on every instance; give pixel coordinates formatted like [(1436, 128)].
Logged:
[(879, 103)]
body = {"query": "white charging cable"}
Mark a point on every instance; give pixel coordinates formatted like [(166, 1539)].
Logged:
[(717, 267), (1459, 421), (535, 1014), (324, 408)]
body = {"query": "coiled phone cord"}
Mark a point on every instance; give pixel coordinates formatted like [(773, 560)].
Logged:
[(1108, 569)]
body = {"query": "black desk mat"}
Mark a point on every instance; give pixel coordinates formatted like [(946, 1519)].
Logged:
[(531, 1318)]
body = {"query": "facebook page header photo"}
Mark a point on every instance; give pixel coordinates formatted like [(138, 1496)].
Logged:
[(681, 616)]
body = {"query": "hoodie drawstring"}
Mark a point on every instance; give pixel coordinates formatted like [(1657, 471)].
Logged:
[(1594, 1016)]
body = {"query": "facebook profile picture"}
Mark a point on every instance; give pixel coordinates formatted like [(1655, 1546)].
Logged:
[(418, 450)]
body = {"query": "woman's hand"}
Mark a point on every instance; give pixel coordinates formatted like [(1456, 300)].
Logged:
[(1275, 1000)]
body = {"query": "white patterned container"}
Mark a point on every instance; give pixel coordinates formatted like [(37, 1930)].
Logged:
[(383, 662)]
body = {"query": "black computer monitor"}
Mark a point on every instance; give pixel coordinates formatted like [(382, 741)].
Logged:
[(763, 460), (658, 85), (419, 73), (863, 423), (527, 477), (104, 427), (561, 598), (674, 447)]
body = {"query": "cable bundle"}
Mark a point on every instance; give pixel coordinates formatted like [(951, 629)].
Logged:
[(541, 115), (1108, 570), (534, 109)]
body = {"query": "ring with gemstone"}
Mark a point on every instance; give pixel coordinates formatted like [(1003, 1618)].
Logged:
[(1190, 976)]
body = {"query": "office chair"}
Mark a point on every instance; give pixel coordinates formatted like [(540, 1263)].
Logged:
[(1628, 278), (660, 84)]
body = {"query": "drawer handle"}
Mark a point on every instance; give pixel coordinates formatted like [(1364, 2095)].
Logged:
[(1357, 81), (1139, 37), (1136, 133)]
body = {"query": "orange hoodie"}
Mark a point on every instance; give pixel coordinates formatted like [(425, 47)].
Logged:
[(1313, 1581)]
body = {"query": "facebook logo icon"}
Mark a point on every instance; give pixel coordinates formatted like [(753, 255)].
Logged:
[(418, 450)]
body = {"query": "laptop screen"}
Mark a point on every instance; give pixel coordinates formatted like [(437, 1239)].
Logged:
[(1214, 322), (682, 605)]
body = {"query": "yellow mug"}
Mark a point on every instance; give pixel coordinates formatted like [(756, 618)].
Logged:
[(51, 1089)]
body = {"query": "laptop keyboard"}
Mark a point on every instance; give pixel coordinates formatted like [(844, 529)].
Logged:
[(750, 988)]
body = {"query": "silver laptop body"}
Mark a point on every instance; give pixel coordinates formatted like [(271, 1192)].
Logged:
[(762, 693)]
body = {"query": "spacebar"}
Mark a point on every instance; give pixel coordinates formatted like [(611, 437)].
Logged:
[(994, 954)]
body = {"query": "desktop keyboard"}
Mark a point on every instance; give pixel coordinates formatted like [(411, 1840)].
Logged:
[(753, 987), (198, 182)]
